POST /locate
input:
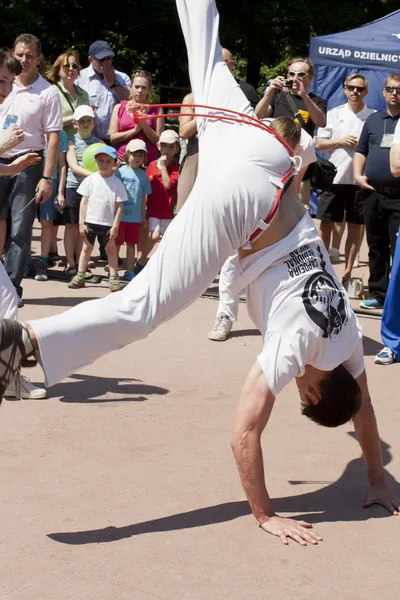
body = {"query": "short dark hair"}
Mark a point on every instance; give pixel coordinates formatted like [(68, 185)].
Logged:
[(30, 40), (340, 399), (9, 62)]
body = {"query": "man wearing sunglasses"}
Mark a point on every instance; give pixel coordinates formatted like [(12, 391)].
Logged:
[(381, 190), (106, 86), (309, 109), (339, 137)]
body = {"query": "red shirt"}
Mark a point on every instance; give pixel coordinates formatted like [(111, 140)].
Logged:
[(161, 202)]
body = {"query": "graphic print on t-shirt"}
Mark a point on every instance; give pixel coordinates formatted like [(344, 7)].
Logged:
[(325, 303)]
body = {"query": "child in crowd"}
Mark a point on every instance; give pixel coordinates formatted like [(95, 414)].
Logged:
[(99, 215), (137, 186), (163, 175), (48, 212), (84, 121)]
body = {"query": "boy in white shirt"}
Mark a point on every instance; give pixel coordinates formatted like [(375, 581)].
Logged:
[(100, 214)]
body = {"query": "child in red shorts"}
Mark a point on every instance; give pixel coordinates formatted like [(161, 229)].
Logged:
[(163, 175), (137, 187)]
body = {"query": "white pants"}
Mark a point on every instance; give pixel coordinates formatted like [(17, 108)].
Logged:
[(8, 296), (235, 189), (228, 302)]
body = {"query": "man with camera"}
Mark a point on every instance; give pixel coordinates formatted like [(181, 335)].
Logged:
[(290, 98), (309, 109)]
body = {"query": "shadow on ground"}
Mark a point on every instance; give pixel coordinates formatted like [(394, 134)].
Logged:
[(371, 346), (61, 301), (337, 501), (86, 389)]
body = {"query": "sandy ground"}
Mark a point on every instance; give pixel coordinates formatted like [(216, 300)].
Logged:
[(121, 485)]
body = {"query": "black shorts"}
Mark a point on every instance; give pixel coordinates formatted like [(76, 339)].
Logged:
[(101, 232), (342, 197), (71, 211)]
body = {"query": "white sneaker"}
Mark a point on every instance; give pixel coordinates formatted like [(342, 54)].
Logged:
[(28, 391), (221, 328), (385, 357)]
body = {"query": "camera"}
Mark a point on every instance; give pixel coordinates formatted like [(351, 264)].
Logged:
[(287, 83)]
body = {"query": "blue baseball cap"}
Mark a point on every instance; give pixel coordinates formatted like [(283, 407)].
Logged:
[(107, 150), (100, 49)]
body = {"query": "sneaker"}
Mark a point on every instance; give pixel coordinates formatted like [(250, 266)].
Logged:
[(385, 357), (221, 328), (77, 282), (371, 303), (129, 275), (24, 390), (41, 272), (20, 302), (12, 352), (115, 285), (334, 254)]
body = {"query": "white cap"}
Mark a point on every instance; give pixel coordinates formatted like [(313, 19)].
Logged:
[(135, 145), (169, 136), (83, 111)]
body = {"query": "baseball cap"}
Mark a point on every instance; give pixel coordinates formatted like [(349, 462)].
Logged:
[(169, 136), (107, 150), (135, 145), (83, 111), (100, 49)]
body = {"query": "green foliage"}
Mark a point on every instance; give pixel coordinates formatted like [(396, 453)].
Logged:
[(263, 34)]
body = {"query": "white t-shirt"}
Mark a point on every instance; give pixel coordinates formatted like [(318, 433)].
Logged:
[(396, 139), (342, 121), (103, 193), (307, 320), (36, 108)]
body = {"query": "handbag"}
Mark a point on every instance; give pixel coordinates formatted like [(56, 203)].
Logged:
[(322, 172)]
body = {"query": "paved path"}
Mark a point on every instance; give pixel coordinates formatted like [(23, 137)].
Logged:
[(122, 485)]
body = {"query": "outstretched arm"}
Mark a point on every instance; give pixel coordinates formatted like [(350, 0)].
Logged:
[(368, 437), (255, 406)]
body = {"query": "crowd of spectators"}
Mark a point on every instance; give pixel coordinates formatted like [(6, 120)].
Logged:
[(50, 122)]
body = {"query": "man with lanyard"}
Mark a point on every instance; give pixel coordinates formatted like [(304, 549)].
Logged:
[(381, 190), (309, 330), (34, 105), (106, 86)]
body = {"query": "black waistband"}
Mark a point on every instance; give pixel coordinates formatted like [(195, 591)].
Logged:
[(9, 159), (388, 190)]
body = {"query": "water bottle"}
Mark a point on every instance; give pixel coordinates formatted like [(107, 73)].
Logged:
[(57, 204)]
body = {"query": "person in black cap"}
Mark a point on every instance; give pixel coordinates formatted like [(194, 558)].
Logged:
[(106, 86)]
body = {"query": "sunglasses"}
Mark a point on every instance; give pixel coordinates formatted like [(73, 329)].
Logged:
[(104, 59), (359, 88), (73, 66), (300, 74), (142, 72), (390, 89)]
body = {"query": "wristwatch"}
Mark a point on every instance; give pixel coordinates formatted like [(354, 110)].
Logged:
[(114, 84), (48, 178)]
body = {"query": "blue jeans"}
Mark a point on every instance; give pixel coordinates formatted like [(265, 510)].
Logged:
[(390, 327), (15, 193)]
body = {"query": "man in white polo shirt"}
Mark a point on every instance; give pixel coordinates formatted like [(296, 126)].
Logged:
[(34, 105), (106, 86), (339, 137)]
